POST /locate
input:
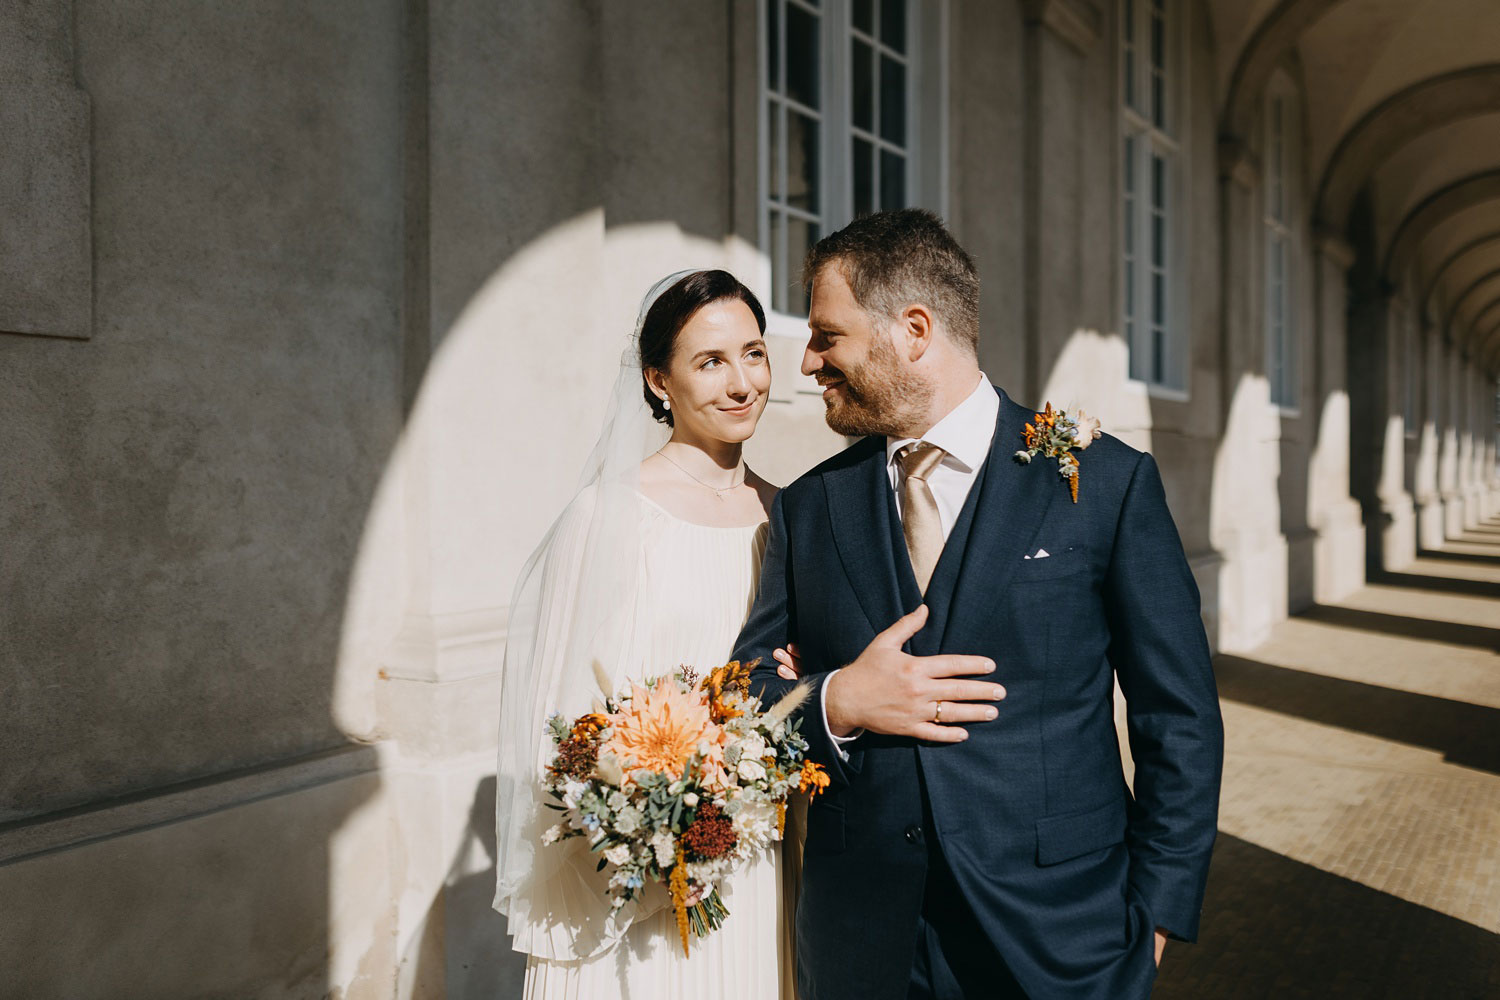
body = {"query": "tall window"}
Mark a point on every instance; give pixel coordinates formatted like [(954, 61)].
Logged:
[(1282, 210), (842, 81), (1149, 262)]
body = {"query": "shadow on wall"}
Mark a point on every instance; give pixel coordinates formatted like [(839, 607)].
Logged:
[(477, 960)]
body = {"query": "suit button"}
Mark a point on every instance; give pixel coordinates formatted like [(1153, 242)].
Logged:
[(914, 835)]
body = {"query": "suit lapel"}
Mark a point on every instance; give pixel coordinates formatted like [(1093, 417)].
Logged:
[(1013, 500), (861, 512)]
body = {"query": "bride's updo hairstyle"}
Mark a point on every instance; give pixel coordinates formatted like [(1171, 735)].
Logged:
[(671, 312)]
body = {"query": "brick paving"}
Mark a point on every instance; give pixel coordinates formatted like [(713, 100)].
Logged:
[(1359, 843)]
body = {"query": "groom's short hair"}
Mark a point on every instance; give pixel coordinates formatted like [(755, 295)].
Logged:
[(892, 259)]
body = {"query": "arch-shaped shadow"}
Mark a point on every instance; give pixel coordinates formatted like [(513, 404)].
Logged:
[(1277, 927), (1428, 629), (1461, 731)]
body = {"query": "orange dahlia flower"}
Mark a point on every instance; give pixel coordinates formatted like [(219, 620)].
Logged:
[(661, 730)]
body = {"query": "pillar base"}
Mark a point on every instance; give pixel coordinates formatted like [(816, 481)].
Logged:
[(1453, 514), (1473, 504), (1339, 553), (1431, 522), (1398, 532), (1252, 591)]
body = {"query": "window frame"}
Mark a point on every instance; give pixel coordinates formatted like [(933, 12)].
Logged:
[(927, 65), (1282, 167), (1167, 141)]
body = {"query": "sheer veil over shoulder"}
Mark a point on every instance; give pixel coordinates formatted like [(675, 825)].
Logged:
[(568, 630), (622, 589)]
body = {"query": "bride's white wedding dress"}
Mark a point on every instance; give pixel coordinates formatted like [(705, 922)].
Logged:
[(698, 586)]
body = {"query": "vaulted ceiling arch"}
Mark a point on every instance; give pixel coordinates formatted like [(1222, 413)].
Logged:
[(1438, 207), (1473, 294), (1421, 108), (1487, 245), (1483, 340), (1269, 44)]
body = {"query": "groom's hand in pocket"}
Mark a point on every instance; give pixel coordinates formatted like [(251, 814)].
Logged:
[(889, 691)]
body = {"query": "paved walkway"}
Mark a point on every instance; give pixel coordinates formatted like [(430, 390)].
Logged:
[(1359, 843)]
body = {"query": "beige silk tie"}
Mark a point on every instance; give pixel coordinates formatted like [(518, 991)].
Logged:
[(920, 522)]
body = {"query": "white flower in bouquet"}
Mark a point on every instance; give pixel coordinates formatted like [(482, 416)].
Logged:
[(753, 746), (609, 770), (665, 847), (751, 769), (755, 821), (617, 855), (628, 820)]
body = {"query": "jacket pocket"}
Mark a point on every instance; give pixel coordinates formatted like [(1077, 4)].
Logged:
[(1060, 838), (825, 828), (1064, 562)]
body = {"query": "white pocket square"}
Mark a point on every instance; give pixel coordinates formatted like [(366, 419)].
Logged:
[(1040, 554)]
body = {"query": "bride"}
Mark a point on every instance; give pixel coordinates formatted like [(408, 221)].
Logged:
[(653, 565)]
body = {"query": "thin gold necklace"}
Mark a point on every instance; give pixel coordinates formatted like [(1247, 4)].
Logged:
[(718, 493)]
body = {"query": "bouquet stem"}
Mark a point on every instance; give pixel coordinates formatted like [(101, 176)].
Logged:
[(704, 916), (708, 915)]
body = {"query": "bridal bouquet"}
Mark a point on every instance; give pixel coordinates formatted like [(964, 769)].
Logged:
[(679, 781)]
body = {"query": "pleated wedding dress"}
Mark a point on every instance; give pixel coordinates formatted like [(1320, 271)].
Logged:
[(699, 584)]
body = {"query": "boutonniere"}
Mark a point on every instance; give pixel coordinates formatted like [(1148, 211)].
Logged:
[(1057, 435)]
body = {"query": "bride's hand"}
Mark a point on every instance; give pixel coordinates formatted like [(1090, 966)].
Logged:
[(695, 894), (789, 662)]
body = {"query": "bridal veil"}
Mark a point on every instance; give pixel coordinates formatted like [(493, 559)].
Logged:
[(570, 622)]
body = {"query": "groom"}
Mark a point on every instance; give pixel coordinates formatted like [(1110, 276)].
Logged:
[(962, 621)]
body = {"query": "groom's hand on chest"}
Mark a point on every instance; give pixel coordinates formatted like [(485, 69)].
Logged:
[(889, 691)]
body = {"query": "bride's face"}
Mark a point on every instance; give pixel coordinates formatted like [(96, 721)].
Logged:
[(719, 377)]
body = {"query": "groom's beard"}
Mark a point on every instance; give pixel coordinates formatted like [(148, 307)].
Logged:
[(877, 396)]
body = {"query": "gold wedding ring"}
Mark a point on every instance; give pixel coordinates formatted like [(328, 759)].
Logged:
[(937, 716)]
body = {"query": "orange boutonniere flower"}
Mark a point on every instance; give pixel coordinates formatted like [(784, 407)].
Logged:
[(1057, 435)]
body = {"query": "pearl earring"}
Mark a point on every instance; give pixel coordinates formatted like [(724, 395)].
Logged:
[(666, 404)]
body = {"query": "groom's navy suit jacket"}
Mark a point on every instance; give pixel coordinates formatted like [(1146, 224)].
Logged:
[(1065, 870)]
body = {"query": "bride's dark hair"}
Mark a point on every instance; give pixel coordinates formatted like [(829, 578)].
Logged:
[(671, 312)]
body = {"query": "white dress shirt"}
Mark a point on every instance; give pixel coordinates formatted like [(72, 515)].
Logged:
[(966, 434)]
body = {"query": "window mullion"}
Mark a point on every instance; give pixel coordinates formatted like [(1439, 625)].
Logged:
[(914, 110), (837, 196)]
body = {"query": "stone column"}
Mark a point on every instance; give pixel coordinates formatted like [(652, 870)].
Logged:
[(1246, 507), (1491, 436), (1378, 435), (1426, 492), (1339, 552), (1448, 455), (1472, 450), (1399, 535)]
